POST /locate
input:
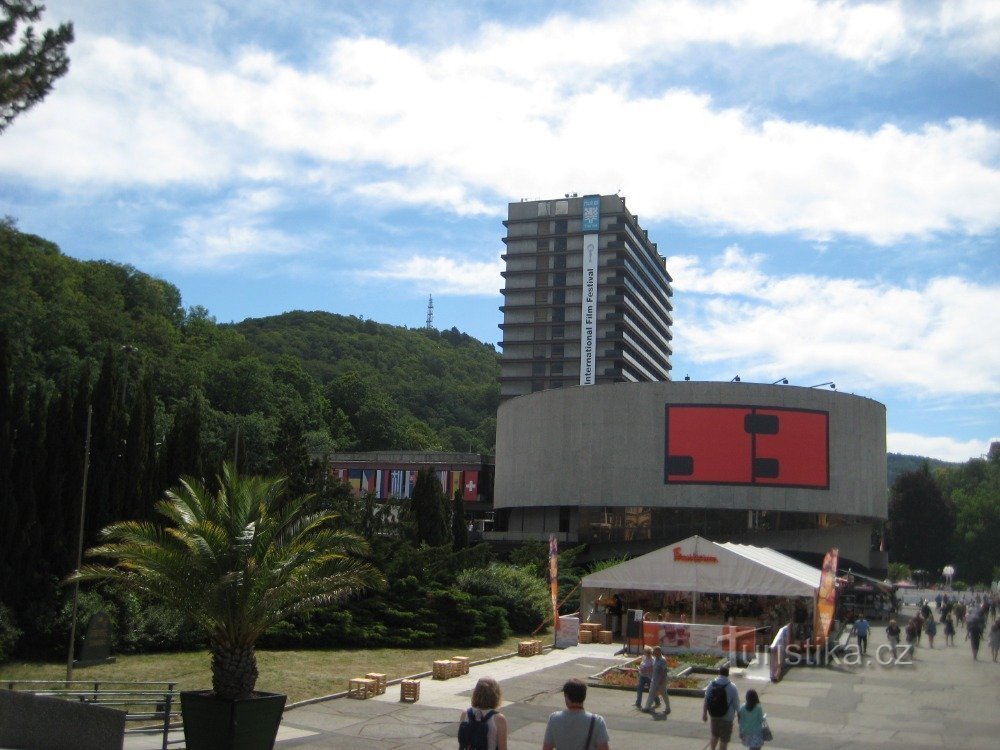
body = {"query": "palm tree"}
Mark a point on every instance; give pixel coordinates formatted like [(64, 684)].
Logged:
[(236, 562)]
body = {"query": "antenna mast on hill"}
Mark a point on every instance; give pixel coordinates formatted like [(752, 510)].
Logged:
[(430, 311)]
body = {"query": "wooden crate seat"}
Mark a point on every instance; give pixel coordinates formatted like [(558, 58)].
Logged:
[(380, 681), (361, 687), (409, 690)]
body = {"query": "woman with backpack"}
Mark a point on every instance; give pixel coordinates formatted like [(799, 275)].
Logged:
[(751, 721), (482, 727)]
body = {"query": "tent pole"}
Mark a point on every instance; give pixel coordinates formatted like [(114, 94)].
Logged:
[(694, 607)]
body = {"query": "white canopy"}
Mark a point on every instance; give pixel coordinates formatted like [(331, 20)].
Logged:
[(703, 566)]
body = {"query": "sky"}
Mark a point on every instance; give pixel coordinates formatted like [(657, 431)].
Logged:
[(823, 178)]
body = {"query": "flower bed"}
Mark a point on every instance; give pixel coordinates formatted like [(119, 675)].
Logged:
[(680, 680)]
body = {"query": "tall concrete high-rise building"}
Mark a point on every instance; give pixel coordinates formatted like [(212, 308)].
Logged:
[(586, 297)]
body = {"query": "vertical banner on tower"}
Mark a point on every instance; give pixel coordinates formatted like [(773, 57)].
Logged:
[(826, 599), (591, 225), (554, 579)]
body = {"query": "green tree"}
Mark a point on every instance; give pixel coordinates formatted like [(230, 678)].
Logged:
[(974, 489), (429, 509), (28, 72), (459, 531), (921, 521), (899, 572), (236, 562)]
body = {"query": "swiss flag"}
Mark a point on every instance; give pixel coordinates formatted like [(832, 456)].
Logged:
[(470, 487)]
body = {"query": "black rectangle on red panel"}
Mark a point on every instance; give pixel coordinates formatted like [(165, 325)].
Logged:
[(800, 448), (708, 445)]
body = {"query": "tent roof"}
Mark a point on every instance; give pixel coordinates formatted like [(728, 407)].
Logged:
[(698, 564)]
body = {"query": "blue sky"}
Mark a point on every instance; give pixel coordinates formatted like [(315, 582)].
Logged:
[(823, 177)]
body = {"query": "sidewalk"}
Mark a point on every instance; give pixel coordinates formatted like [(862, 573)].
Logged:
[(943, 699)]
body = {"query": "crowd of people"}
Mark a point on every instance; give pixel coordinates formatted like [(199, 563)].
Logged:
[(575, 727), (973, 613)]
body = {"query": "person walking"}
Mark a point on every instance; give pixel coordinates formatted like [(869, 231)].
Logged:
[(750, 718), (949, 631), (575, 728), (645, 675), (861, 629), (931, 628), (722, 701), (995, 639), (892, 634), (658, 685), (974, 632), (483, 715)]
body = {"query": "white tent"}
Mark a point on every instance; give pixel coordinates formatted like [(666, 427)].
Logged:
[(699, 565)]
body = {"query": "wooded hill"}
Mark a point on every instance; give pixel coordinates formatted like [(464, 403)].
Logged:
[(172, 393)]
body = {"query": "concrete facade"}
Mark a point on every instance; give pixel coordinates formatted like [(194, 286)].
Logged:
[(576, 460)]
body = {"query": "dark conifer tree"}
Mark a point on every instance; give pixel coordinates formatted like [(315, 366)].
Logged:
[(459, 532), (140, 454), (921, 521), (56, 486), (430, 509), (291, 456), (8, 493), (181, 452), (106, 497)]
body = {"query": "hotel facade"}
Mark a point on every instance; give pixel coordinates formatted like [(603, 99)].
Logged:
[(586, 297)]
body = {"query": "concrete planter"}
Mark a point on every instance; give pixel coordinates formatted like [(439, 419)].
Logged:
[(212, 723)]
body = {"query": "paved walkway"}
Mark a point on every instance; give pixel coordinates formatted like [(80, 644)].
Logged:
[(943, 699)]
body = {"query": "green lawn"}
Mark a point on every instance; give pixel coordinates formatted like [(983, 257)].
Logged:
[(298, 674)]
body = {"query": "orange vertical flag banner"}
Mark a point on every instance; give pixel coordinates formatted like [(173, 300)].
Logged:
[(826, 599), (554, 579)]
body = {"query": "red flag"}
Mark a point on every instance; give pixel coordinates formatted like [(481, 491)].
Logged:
[(470, 488)]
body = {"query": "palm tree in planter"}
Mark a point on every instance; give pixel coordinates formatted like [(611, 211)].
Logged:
[(236, 562)]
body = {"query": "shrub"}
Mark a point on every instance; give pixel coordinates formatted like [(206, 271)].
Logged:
[(9, 633), (522, 595)]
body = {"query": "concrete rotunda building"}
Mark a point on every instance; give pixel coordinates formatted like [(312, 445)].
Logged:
[(628, 467)]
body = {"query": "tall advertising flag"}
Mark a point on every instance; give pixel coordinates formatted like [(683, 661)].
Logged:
[(554, 579), (826, 599)]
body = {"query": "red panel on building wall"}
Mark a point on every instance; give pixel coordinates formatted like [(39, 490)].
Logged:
[(708, 444), (799, 447)]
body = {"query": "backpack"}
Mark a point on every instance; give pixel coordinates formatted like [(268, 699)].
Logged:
[(717, 700), (474, 733)]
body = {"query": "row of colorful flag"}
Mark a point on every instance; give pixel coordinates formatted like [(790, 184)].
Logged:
[(399, 483)]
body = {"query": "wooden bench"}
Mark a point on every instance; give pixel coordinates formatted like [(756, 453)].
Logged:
[(151, 706)]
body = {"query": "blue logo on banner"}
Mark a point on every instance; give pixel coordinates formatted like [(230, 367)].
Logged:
[(591, 213)]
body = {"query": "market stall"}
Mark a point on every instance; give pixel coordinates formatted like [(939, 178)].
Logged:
[(696, 572)]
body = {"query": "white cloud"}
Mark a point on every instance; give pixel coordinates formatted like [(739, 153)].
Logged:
[(530, 111), (943, 448), (925, 338), (232, 233), (444, 276)]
